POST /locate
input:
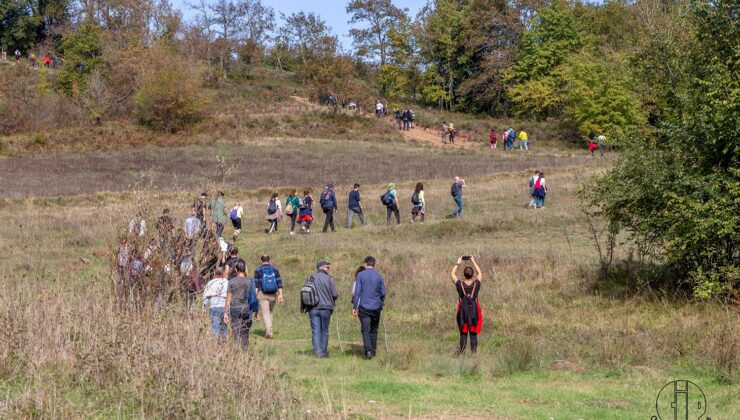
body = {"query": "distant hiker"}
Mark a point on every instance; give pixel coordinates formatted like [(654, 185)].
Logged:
[(411, 118), (456, 191), (510, 137), (493, 139), (137, 225), (354, 206), (214, 297), (200, 210), (231, 261), (452, 133), (592, 146), (601, 141), (305, 211), (123, 257), (328, 203), (192, 226), (274, 213), (523, 140), (218, 212), (418, 203), (398, 115), (235, 214), (165, 228), (378, 109), (241, 303), (367, 303), (292, 208), (469, 314), (47, 61), (269, 286), (390, 201), (406, 120), (540, 191), (532, 182), (318, 297), (445, 132), (17, 55)]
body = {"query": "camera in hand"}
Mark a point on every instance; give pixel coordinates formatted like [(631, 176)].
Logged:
[(466, 257)]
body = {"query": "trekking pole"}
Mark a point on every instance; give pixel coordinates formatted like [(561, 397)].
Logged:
[(341, 347), (385, 335)]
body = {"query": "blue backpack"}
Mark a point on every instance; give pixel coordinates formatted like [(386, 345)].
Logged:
[(269, 281), (254, 304), (234, 215)]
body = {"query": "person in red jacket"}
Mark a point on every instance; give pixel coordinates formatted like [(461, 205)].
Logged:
[(493, 138), (469, 314)]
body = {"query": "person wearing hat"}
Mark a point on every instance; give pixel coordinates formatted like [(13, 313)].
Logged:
[(392, 207), (320, 315)]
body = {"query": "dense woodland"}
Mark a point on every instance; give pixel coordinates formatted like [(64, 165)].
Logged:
[(659, 78)]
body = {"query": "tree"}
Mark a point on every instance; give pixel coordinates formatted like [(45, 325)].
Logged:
[(26, 23), (308, 35), (82, 51), (374, 42)]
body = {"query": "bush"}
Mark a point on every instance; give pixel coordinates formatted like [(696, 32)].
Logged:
[(170, 95)]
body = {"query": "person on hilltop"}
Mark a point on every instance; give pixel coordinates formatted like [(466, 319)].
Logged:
[(601, 141), (469, 314), (274, 213), (379, 109), (218, 212), (457, 191), (540, 191), (17, 55), (532, 182), (292, 208), (390, 201), (411, 118), (241, 304), (406, 120), (200, 210), (367, 303), (510, 136), (399, 118), (235, 214), (305, 211), (214, 297), (492, 139), (354, 206), (523, 140), (269, 286), (418, 203), (323, 296), (328, 202), (452, 133)]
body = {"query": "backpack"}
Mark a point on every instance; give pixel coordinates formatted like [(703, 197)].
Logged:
[(537, 184), (452, 191), (301, 204), (234, 214), (415, 199), (326, 200), (309, 296), (269, 281), (387, 198), (272, 207), (254, 304), (289, 209)]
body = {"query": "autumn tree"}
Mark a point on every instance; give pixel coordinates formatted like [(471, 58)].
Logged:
[(379, 18)]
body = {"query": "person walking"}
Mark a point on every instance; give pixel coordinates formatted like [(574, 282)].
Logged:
[(269, 287), (510, 136), (469, 314), (292, 208), (236, 219), (411, 118), (399, 121), (218, 212), (192, 229), (214, 297), (452, 133), (405, 118), (390, 200), (274, 213), (232, 259), (367, 303), (540, 191), (601, 141), (328, 203), (320, 315), (493, 139), (17, 55), (532, 182), (418, 203), (241, 302), (200, 210), (456, 191), (137, 225), (305, 211), (354, 206), (378, 109), (523, 140)]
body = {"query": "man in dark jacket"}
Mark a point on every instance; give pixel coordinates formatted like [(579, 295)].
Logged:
[(367, 302), (328, 203), (355, 207), (457, 190), (320, 315)]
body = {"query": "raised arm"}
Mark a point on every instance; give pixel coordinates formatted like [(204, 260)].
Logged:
[(453, 274), (477, 268)]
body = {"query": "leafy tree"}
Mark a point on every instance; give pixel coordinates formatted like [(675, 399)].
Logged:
[(82, 51), (382, 17), (308, 35), (26, 23)]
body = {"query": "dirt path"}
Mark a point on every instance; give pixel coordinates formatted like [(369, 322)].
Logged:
[(434, 138)]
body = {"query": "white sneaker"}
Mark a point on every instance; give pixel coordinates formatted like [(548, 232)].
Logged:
[(292, 233)]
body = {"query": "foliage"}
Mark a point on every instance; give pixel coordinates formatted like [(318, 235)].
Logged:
[(26, 23), (82, 50), (170, 95), (374, 41)]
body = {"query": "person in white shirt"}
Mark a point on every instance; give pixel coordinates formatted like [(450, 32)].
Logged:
[(274, 212), (214, 296), (236, 219), (532, 181), (137, 225)]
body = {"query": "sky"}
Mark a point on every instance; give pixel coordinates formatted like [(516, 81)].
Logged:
[(332, 11)]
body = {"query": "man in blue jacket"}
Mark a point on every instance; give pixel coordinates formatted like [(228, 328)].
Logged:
[(328, 203), (367, 303), (355, 206)]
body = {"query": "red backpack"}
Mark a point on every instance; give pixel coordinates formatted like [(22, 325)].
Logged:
[(537, 184)]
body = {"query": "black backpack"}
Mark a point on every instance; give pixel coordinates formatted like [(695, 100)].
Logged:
[(387, 198), (272, 207), (415, 199), (309, 296)]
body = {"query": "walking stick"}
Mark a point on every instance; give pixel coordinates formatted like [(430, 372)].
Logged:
[(385, 335), (341, 347)]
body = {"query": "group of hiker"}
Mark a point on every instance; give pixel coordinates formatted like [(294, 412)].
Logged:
[(596, 143), (537, 190), (404, 119), (509, 137)]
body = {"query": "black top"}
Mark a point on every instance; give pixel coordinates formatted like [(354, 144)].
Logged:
[(464, 289)]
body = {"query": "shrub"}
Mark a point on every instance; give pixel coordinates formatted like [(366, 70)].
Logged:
[(170, 95)]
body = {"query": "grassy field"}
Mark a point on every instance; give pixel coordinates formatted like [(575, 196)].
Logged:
[(557, 341)]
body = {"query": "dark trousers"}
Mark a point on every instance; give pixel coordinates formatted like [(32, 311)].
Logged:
[(219, 229), (241, 322), (369, 321), (392, 210), (329, 219), (293, 216), (464, 342), (351, 213)]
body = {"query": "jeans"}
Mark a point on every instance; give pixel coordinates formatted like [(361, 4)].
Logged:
[(329, 221), (351, 213), (539, 201), (320, 331), (218, 327), (369, 320), (525, 143), (459, 209), (267, 304), (241, 322), (392, 210)]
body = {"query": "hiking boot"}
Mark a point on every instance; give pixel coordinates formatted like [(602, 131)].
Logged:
[(369, 355)]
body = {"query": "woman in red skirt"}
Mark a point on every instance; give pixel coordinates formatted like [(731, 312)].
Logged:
[(469, 315)]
